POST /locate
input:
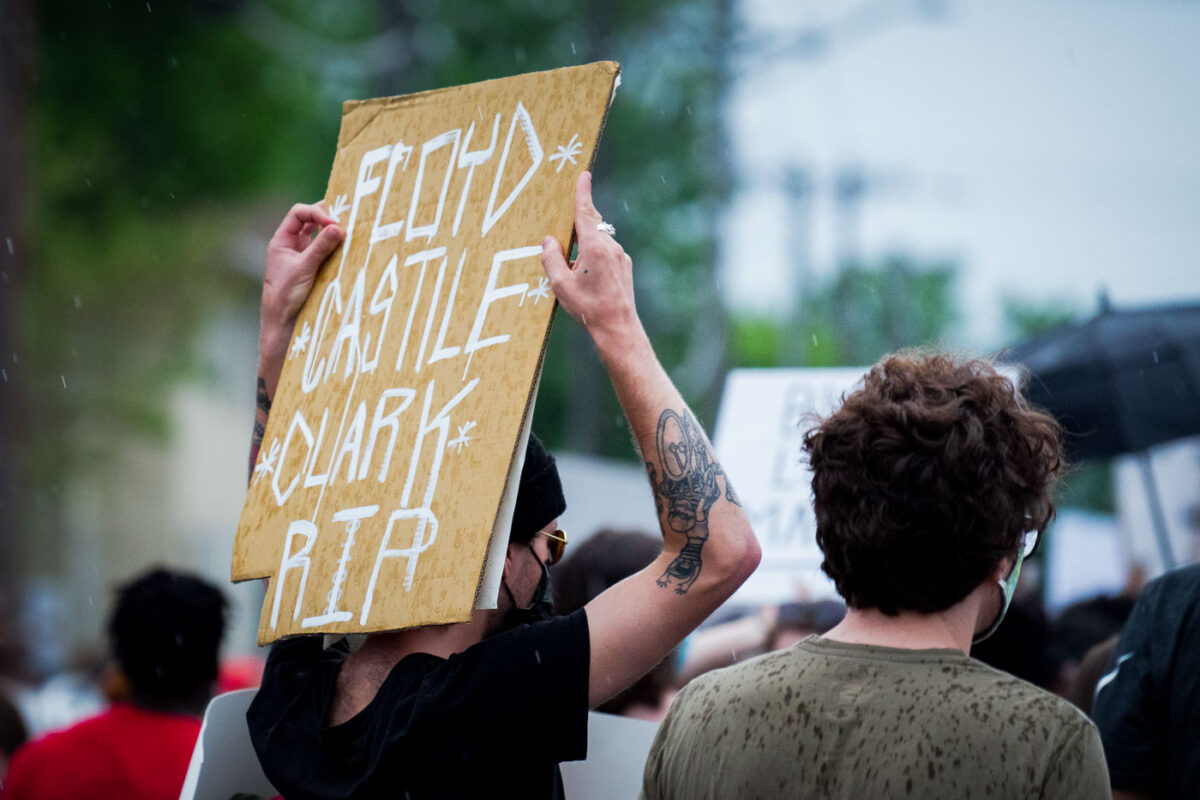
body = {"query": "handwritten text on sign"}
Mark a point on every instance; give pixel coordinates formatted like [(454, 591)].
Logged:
[(410, 371)]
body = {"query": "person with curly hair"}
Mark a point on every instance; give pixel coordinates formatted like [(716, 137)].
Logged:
[(931, 484)]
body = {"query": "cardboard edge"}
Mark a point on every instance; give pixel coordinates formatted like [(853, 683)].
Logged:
[(377, 105), (488, 578), (487, 585), (527, 417)]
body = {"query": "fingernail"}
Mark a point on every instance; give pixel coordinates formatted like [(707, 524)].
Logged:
[(546, 242)]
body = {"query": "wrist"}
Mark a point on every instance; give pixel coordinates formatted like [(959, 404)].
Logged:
[(273, 341), (615, 345)]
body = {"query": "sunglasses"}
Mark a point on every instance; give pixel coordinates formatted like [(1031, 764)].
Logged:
[(558, 543)]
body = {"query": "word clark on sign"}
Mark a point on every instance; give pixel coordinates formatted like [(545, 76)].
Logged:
[(409, 378)]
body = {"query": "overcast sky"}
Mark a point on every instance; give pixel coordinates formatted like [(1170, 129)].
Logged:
[(1052, 149)]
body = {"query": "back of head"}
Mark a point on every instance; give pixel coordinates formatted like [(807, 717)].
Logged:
[(604, 559), (925, 478), (166, 632)]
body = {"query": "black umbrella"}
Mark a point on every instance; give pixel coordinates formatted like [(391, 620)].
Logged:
[(1121, 383)]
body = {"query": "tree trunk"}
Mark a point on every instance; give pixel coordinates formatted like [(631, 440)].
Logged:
[(16, 70)]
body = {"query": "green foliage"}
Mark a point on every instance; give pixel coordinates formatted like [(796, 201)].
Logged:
[(1026, 318), (151, 128), (755, 341), (856, 316)]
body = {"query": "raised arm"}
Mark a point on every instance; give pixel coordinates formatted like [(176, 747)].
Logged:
[(708, 547), (293, 258)]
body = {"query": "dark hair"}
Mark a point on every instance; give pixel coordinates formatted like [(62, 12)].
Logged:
[(166, 631), (925, 478), (13, 733), (604, 559), (539, 495)]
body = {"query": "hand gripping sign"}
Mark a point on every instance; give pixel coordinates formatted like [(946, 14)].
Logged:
[(384, 476)]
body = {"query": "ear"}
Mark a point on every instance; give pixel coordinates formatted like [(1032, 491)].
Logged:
[(510, 559), (1002, 570)]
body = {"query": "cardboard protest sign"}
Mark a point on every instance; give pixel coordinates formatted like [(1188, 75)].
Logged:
[(405, 396), (760, 430)]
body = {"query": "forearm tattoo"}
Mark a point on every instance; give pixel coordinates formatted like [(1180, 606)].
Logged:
[(262, 409), (686, 492)]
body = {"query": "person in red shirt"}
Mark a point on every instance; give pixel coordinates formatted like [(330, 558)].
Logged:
[(166, 631)]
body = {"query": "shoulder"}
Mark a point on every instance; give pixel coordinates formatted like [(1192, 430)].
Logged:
[(1007, 688), (296, 658), (766, 674), (45, 755), (554, 638), (307, 648), (72, 736), (1172, 596)]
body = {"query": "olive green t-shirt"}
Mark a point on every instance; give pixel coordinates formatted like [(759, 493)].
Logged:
[(826, 719)]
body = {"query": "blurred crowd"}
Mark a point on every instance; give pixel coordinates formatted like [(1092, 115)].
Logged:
[(133, 714)]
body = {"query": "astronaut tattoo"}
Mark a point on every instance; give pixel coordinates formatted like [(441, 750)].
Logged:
[(686, 491)]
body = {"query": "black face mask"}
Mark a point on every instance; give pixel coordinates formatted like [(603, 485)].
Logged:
[(542, 606)]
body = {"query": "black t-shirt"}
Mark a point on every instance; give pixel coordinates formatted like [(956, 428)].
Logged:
[(492, 721), (1146, 704)]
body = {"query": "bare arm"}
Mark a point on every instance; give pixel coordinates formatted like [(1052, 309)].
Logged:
[(293, 258), (708, 547)]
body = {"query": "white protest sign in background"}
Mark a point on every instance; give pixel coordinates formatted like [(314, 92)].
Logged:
[(759, 436)]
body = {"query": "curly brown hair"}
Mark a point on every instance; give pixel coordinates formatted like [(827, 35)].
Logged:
[(925, 478)]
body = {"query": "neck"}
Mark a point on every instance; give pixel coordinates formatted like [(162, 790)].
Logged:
[(909, 630), (365, 670), (439, 640)]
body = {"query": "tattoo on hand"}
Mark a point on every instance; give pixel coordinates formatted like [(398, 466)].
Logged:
[(688, 490)]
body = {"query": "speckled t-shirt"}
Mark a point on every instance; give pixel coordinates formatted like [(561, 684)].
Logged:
[(827, 719)]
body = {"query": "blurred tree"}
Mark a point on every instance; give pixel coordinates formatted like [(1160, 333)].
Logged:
[(155, 132), (150, 128), (1027, 318), (16, 69), (855, 316)]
